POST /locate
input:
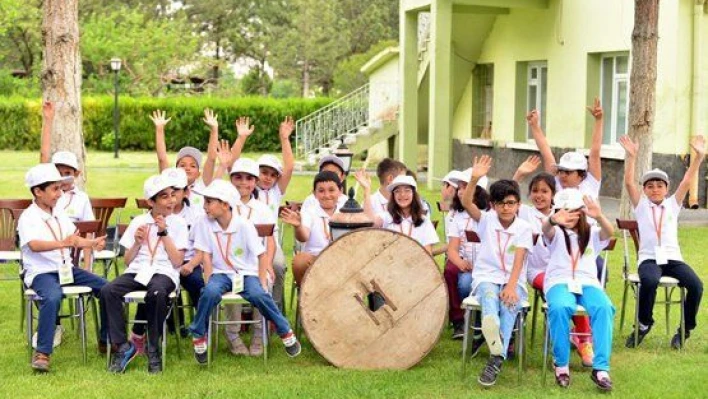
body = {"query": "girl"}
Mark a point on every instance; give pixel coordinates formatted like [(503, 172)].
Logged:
[(571, 280)]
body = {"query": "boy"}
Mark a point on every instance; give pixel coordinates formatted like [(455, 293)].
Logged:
[(505, 241), (387, 170), (334, 164), (47, 240), (154, 244), (659, 251), (234, 260)]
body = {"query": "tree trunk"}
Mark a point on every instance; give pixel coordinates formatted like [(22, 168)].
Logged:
[(642, 88), (61, 77), (305, 79)]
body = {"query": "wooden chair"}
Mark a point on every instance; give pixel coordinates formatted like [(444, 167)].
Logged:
[(9, 251), (86, 229), (103, 209), (142, 203)]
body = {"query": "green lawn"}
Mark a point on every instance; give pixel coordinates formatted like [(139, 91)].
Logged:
[(652, 371)]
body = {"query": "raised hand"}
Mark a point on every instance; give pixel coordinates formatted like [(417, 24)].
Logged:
[(159, 118), (244, 127), (211, 119), (363, 178), (481, 166), (592, 207), (565, 218), (698, 143), (596, 109), (291, 217), (529, 165), (533, 119), (48, 110), (630, 146), (223, 152), (286, 128)]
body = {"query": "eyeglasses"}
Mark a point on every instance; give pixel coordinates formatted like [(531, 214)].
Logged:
[(403, 190), (507, 204)]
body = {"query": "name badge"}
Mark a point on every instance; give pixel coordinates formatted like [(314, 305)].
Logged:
[(660, 254), (236, 283), (145, 275), (575, 287), (66, 275)]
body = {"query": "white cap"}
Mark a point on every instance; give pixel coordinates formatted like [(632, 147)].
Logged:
[(65, 158), (190, 152), (655, 174), (569, 199), (154, 184), (42, 173), (331, 159), (246, 165), (223, 191), (466, 176), (272, 162), (452, 177), (401, 181), (573, 161), (177, 176)]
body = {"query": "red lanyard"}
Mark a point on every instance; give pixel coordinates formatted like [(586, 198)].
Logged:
[(151, 249), (502, 254), (250, 210), (657, 227), (267, 201), (225, 254), (327, 233), (574, 259), (71, 198), (410, 228), (57, 238)]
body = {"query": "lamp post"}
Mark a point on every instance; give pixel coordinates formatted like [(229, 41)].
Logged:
[(115, 67), (349, 218), (346, 156)]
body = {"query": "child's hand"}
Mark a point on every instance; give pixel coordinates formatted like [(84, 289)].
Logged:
[(509, 296), (99, 243), (186, 270), (72, 240), (532, 119), (286, 128), (565, 218), (211, 119), (466, 266), (140, 234), (481, 166), (291, 217), (223, 152), (242, 126), (596, 109), (161, 223), (158, 118), (698, 144), (48, 110), (592, 207), (530, 165), (363, 179), (629, 145)]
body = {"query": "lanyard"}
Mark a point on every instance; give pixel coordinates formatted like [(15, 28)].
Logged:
[(71, 198), (151, 249), (250, 210), (267, 200), (225, 254), (502, 253), (327, 233), (657, 227), (410, 228), (57, 238), (574, 258)]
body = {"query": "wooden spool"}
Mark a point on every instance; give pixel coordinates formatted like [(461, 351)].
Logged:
[(334, 301)]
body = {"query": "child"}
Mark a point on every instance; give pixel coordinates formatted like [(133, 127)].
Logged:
[(47, 239), (659, 251), (571, 280), (404, 214), (189, 158), (334, 164), (154, 244), (505, 240), (234, 260), (387, 170), (312, 224)]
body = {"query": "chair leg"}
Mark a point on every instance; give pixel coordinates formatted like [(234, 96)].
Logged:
[(546, 343), (465, 340), (72, 312), (210, 336), (682, 327), (668, 294), (624, 305), (178, 333), (82, 324), (534, 315), (108, 351), (264, 329), (164, 344), (293, 288), (22, 307), (94, 310), (217, 317), (30, 328), (636, 316), (297, 316)]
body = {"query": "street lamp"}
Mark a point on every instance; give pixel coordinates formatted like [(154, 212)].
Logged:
[(346, 156), (115, 67)]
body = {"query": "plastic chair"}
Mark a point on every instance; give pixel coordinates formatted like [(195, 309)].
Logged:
[(631, 280), (103, 209), (215, 321)]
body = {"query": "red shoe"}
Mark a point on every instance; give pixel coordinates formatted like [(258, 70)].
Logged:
[(139, 342)]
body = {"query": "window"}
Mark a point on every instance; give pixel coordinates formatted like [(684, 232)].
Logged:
[(614, 89), (536, 89), (483, 98)]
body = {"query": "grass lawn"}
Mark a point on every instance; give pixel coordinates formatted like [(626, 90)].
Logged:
[(652, 371)]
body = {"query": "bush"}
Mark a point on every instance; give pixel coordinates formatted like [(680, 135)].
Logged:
[(22, 121)]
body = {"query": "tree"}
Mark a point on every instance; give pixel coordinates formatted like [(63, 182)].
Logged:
[(61, 75), (20, 42), (642, 95)]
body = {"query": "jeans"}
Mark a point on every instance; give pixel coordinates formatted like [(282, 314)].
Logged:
[(561, 306), (464, 284), (47, 287), (487, 295), (253, 293)]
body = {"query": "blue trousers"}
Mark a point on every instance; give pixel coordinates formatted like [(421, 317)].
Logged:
[(464, 284), (487, 295), (561, 306), (46, 285), (252, 292)]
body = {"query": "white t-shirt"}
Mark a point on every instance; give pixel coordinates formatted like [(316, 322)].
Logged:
[(176, 229), (271, 198), (36, 224), (255, 212), (195, 199), (590, 186), (242, 250), (449, 227), (462, 222), (425, 233), (311, 202), (649, 217), (537, 260), (560, 266), (378, 202), (191, 216), (316, 220), (491, 265), (76, 205)]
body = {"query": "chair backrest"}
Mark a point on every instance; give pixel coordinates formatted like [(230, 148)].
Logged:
[(629, 228), (142, 203), (85, 229), (435, 224), (103, 210), (8, 222), (265, 230)]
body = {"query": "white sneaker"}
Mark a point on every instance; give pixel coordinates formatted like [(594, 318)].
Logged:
[(58, 333), (490, 330)]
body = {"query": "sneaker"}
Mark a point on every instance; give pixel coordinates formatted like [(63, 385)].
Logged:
[(586, 353), (58, 334), (154, 360), (491, 371), (237, 347), (490, 330), (602, 380), (292, 346), (477, 344), (458, 330), (122, 357), (200, 349), (256, 348), (139, 343), (642, 333), (562, 376), (676, 339), (40, 362)]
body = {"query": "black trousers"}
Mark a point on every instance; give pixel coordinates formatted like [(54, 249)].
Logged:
[(156, 301), (649, 275)]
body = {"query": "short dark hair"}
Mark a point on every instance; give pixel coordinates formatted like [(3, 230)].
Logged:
[(331, 163), (651, 180), (503, 188), (42, 187), (388, 167), (326, 176), (411, 173)]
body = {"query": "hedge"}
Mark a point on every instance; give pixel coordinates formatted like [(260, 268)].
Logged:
[(21, 121)]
